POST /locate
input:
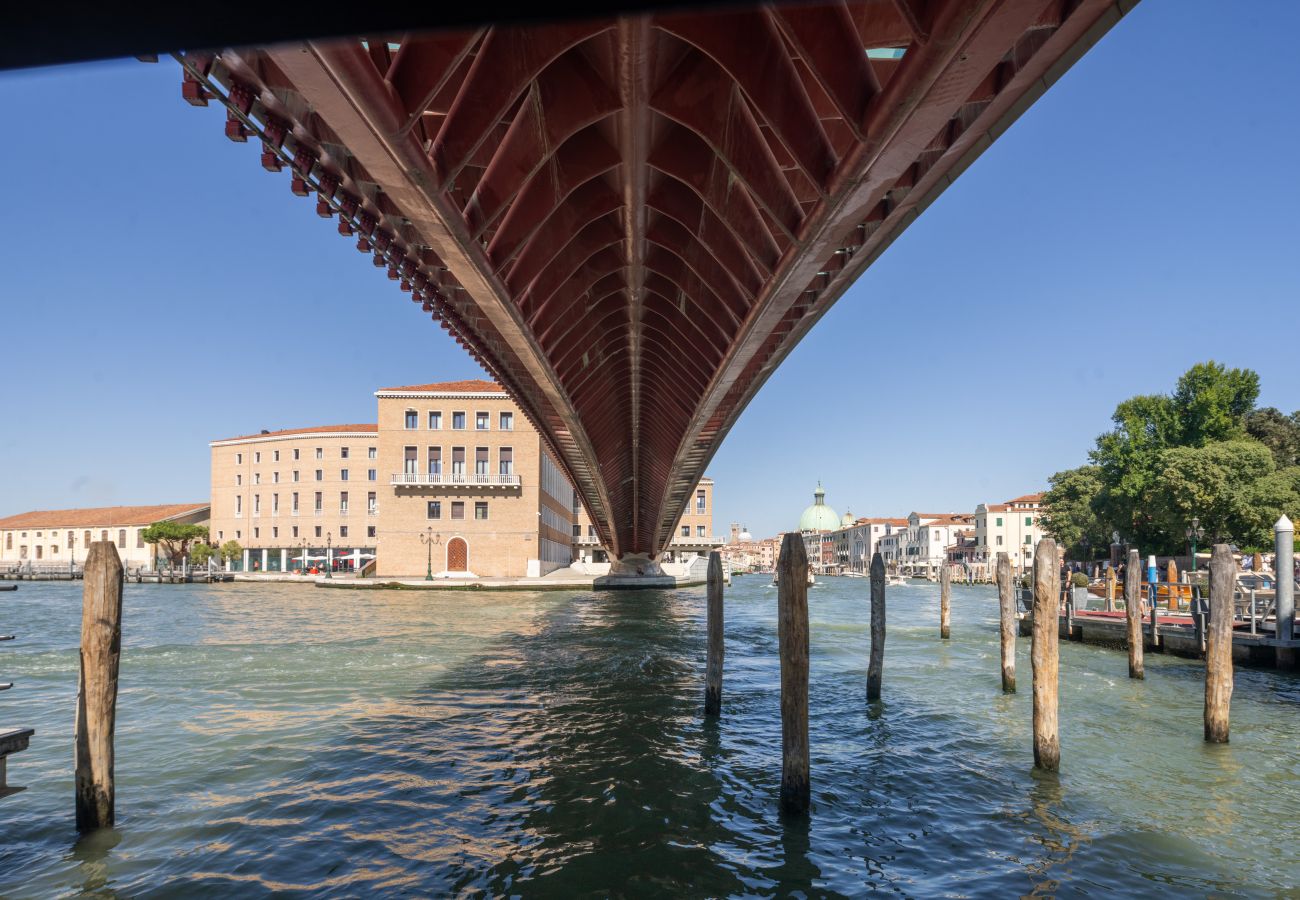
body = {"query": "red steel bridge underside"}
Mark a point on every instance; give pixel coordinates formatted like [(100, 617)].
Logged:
[(629, 222)]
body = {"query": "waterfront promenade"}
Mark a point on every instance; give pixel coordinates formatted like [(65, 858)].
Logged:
[(276, 741)]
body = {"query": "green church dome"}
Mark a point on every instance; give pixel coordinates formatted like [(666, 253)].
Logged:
[(819, 516)]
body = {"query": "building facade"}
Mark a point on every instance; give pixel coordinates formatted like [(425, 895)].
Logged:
[(298, 499), (64, 536), (450, 481), (1013, 527)]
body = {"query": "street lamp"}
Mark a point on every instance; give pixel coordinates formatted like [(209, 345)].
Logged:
[(429, 539), (1194, 533), (329, 554)]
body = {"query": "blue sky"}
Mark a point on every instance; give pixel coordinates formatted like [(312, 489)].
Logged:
[(158, 289)]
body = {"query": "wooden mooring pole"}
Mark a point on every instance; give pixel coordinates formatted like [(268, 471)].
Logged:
[(713, 667), (1045, 655), (1218, 644), (1007, 613), (1133, 613), (101, 647), (945, 601), (792, 630), (876, 662)]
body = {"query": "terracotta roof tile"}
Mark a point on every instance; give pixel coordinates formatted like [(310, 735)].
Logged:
[(1028, 498), (472, 386), (103, 515), (314, 429)]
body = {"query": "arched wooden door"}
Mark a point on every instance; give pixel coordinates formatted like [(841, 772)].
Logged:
[(457, 555)]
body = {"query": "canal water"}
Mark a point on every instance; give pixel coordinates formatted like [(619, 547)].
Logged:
[(283, 740)]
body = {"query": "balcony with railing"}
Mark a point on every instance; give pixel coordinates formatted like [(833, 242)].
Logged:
[(454, 479)]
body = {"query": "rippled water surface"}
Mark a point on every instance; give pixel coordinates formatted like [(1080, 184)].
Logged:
[(287, 740)]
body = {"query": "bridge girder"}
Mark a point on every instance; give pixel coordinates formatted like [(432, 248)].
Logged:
[(630, 222)]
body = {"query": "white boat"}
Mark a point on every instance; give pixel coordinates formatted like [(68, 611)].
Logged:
[(895, 580)]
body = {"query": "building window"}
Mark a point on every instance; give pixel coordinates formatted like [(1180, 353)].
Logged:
[(39, 551), (480, 460), (257, 478), (317, 531), (275, 456), (699, 501), (257, 456), (480, 421), (320, 474), (371, 503), (372, 474), (435, 460), (239, 479), (458, 509), (257, 504), (412, 419), (435, 421), (239, 509), (506, 461), (295, 532), (699, 531), (408, 460), (458, 421), (999, 540), (686, 531), (295, 453), (370, 531), (275, 504), (1029, 521), (275, 478), (343, 531), (507, 421), (343, 453), (239, 459), (320, 499), (320, 452), (238, 534), (1027, 540), (294, 508), (480, 510), (275, 531), (121, 538), (343, 474), (434, 510), (87, 539), (295, 474), (372, 453), (999, 521), (103, 535), (577, 531), (343, 502), (457, 460)]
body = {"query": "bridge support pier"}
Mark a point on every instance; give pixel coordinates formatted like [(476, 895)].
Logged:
[(633, 571)]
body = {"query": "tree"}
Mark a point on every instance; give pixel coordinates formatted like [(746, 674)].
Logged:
[(1212, 402), (174, 538), (1069, 515), (201, 553), (231, 551), (1278, 432)]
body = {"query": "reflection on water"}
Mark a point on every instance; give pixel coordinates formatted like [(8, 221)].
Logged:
[(281, 739)]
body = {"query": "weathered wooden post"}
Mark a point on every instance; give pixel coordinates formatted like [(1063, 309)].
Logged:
[(101, 646), (1133, 614), (1044, 657), (1007, 612), (1110, 589), (792, 630), (713, 667), (1218, 644), (945, 601), (876, 663)]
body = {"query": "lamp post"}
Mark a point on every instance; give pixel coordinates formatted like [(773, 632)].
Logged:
[(429, 539), (302, 564), (329, 554), (1194, 533)]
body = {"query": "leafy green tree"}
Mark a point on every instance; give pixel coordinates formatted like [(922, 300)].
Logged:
[(231, 551), (1069, 515), (1279, 432), (174, 538), (201, 553), (1212, 402)]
